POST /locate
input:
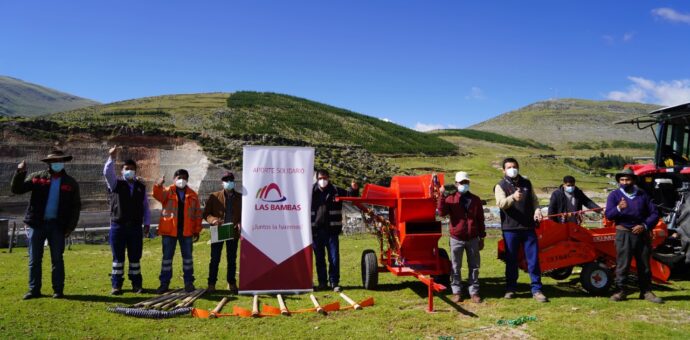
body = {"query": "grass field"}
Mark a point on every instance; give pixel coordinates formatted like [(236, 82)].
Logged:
[(398, 312)]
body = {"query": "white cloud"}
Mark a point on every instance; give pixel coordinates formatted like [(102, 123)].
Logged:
[(476, 93), (611, 39), (427, 127), (386, 120), (628, 36), (673, 92), (671, 15)]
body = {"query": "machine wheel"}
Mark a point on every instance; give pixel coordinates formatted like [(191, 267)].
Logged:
[(561, 274), (443, 279), (370, 269), (596, 278)]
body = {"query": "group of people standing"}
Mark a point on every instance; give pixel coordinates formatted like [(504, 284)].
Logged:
[(55, 205), (629, 207)]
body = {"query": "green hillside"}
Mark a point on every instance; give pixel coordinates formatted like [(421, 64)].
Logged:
[(263, 113), (491, 137), (19, 98), (556, 122)]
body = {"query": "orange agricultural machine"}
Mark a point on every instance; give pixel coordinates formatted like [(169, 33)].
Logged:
[(403, 217), (563, 246)]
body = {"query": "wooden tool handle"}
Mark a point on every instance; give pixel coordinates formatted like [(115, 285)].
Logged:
[(350, 301), (283, 308), (255, 306), (319, 309)]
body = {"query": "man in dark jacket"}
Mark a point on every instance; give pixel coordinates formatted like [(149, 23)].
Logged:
[(52, 214), (635, 216), (353, 189), (519, 207), (326, 226), (224, 206), (466, 234), (566, 199), (129, 210)]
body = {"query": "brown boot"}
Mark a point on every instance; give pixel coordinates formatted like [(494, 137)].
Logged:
[(619, 296), (476, 298), (649, 296), (457, 298)]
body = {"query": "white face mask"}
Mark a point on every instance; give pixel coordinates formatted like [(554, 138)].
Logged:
[(181, 183), (463, 188), (512, 172), (129, 174), (323, 183)]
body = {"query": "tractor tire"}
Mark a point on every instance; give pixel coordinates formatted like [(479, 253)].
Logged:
[(561, 274), (596, 278), (443, 279), (370, 269)]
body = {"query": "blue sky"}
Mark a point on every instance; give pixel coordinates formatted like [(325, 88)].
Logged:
[(421, 64)]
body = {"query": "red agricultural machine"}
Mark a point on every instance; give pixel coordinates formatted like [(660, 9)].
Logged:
[(408, 236), (563, 246)]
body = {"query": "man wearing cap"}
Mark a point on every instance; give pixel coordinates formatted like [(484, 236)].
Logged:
[(52, 215), (180, 222), (224, 206), (635, 216), (566, 199), (466, 234), (129, 210), (520, 213)]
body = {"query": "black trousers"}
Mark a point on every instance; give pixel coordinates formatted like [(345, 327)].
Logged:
[(639, 247)]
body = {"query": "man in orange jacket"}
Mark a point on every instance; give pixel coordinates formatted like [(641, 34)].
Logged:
[(180, 222)]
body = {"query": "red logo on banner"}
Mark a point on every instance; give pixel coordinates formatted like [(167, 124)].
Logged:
[(263, 193)]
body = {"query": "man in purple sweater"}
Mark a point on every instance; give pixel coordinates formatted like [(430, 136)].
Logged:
[(635, 215)]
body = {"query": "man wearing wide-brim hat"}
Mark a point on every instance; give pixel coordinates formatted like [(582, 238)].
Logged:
[(52, 214), (635, 215)]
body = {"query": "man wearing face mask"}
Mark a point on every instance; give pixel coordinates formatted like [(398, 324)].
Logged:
[(129, 210), (568, 198), (326, 226), (224, 206), (467, 234), (520, 213), (52, 215), (180, 222), (635, 216)]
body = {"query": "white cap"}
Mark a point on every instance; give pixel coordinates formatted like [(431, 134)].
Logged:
[(461, 176)]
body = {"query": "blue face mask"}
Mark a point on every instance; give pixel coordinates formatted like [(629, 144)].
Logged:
[(569, 189), (57, 167), (229, 185), (463, 188), (129, 174)]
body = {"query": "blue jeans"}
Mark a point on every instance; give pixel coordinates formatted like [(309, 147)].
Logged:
[(169, 244), (127, 238), (230, 256), (52, 232), (326, 242), (527, 239)]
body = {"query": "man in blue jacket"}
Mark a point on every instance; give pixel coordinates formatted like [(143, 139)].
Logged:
[(635, 216), (129, 210)]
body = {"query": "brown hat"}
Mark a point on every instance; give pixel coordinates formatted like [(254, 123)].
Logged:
[(626, 173), (228, 176), (57, 156)]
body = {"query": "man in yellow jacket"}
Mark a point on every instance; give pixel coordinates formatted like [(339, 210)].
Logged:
[(180, 222)]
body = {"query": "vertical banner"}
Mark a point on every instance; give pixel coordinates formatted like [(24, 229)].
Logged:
[(276, 252)]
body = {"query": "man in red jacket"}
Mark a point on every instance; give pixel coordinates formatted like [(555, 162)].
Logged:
[(466, 234)]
